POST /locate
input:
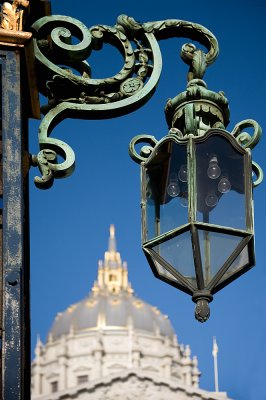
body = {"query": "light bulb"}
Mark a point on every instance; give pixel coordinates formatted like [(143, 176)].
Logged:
[(224, 186), (182, 174), (211, 200), (173, 188), (213, 171)]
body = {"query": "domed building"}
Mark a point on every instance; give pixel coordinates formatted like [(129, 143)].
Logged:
[(114, 346)]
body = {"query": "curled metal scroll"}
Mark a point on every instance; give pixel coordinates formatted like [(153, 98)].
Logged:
[(98, 98), (258, 172), (50, 148), (145, 151), (249, 142), (43, 160), (244, 138), (65, 75)]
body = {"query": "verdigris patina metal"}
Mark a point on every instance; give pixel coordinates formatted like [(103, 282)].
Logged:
[(197, 119), (73, 95)]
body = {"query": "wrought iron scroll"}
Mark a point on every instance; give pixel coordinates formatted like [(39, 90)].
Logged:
[(65, 75), (244, 138), (249, 142), (145, 150), (151, 142)]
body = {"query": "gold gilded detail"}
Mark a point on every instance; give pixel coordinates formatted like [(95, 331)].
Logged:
[(72, 308), (156, 311), (12, 14), (115, 301), (138, 304), (91, 303)]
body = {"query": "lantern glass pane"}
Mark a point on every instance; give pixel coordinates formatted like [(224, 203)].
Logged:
[(240, 262), (221, 198), (178, 253), (166, 190), (215, 248), (163, 272)]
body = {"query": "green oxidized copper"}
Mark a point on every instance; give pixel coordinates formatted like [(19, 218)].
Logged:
[(78, 95), (75, 95), (196, 112)]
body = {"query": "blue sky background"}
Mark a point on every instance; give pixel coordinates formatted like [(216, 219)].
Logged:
[(70, 222)]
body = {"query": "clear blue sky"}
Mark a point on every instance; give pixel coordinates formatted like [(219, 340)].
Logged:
[(70, 222)]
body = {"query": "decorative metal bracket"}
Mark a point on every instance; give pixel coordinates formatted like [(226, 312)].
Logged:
[(78, 95), (73, 93)]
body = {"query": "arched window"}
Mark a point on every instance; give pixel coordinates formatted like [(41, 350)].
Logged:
[(54, 386)]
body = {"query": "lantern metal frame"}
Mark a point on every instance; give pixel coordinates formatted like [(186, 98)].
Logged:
[(193, 225), (203, 293)]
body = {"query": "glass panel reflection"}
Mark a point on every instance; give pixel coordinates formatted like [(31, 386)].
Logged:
[(166, 188), (240, 262), (215, 248), (163, 272), (179, 254), (220, 183)]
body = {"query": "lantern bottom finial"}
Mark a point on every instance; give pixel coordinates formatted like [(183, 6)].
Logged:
[(202, 310)]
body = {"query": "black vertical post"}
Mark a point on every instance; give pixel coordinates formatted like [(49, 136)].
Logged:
[(19, 100), (15, 243), (1, 232)]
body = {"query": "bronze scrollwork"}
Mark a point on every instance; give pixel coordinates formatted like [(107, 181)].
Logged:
[(244, 138), (145, 151)]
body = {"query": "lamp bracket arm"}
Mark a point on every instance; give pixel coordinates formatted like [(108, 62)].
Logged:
[(62, 46), (65, 74)]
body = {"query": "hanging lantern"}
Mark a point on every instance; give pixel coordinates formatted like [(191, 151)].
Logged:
[(197, 204)]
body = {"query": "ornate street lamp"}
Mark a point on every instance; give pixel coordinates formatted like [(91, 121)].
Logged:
[(196, 182), (197, 205)]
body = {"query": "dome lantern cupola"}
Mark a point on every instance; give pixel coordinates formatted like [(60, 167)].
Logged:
[(112, 273), (111, 303)]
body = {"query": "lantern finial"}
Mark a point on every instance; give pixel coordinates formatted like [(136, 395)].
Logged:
[(202, 310)]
